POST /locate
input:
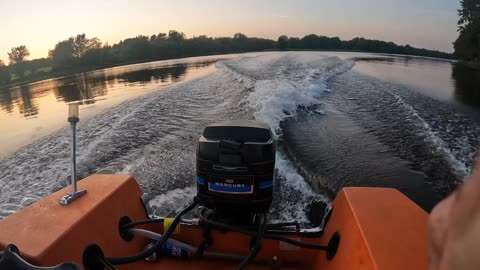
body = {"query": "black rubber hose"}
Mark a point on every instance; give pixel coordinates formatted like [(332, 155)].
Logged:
[(270, 227), (158, 244), (161, 220), (295, 233), (228, 227), (142, 222), (295, 243), (283, 224), (262, 225), (279, 225), (106, 263)]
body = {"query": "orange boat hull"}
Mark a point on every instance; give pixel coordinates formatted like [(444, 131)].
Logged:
[(380, 228)]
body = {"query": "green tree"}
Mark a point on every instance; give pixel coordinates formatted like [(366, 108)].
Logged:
[(17, 56), (467, 45), (37, 66), (68, 52), (161, 36), (176, 36), (62, 54), (282, 42), (239, 36), (469, 13), (4, 73), (294, 43), (81, 44)]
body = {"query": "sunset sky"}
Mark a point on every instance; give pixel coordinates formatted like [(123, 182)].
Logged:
[(41, 24)]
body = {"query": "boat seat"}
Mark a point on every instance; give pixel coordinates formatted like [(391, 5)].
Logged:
[(10, 259)]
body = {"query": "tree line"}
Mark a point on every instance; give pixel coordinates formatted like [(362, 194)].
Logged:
[(467, 45), (314, 42), (80, 53)]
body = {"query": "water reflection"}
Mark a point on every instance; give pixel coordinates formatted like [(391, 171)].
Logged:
[(83, 87), (405, 60), (173, 73), (87, 87), (375, 59), (467, 84), (6, 100), (26, 105)]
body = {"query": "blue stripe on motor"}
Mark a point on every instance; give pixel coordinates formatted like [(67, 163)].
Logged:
[(215, 187), (200, 180), (265, 184)]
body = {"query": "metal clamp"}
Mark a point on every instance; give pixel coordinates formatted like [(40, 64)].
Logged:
[(71, 196)]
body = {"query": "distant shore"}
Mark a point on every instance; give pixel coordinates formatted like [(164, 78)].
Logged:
[(82, 69)]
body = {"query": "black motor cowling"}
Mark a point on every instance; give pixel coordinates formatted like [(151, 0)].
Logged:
[(235, 166)]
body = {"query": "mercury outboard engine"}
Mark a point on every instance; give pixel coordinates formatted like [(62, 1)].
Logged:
[(235, 167)]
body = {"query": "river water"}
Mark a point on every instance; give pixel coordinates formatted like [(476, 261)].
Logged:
[(341, 119)]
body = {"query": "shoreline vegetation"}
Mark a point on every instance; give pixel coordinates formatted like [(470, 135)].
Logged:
[(467, 45), (81, 54), (469, 64)]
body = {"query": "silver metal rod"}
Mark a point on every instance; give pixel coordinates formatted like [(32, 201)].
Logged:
[(74, 158), (75, 193)]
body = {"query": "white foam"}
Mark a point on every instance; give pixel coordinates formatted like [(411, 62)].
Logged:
[(278, 98), (461, 170), (293, 196), (293, 178), (172, 200), (281, 83)]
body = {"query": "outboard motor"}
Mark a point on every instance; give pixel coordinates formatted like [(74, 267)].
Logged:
[(235, 167)]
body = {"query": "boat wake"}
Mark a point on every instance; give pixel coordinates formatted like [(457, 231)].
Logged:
[(154, 137), (335, 127), (435, 137)]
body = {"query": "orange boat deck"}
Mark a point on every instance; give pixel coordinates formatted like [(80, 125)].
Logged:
[(380, 229)]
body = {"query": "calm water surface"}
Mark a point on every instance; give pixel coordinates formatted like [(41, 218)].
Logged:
[(444, 80), (31, 111)]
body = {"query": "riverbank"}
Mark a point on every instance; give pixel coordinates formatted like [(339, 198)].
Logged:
[(80, 69), (470, 64), (69, 72)]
